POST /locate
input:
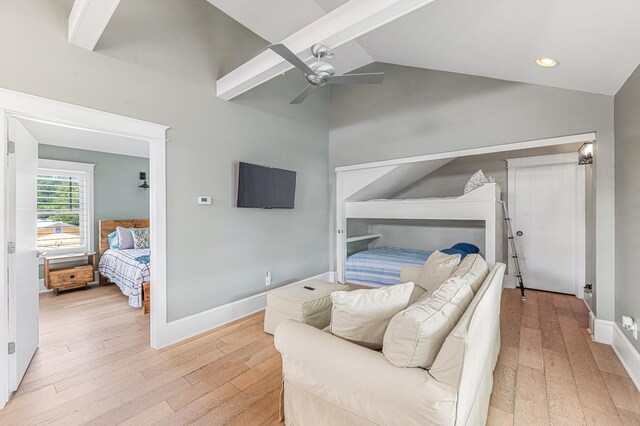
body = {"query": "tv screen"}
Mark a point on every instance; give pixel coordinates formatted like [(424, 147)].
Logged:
[(265, 187)]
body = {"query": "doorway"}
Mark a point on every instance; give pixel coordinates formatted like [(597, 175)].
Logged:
[(547, 208), (20, 307)]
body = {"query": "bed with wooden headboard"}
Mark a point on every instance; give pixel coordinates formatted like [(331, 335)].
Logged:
[(106, 227)]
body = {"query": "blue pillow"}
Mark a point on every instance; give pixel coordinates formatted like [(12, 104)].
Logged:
[(451, 251), (466, 247), (112, 238)]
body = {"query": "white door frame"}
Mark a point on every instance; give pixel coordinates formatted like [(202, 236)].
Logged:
[(546, 160), (23, 106)]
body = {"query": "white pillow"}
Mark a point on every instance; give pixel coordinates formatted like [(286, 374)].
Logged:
[(438, 267), (474, 269), (362, 316), (415, 335), (125, 238)]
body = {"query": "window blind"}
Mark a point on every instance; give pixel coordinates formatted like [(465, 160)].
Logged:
[(62, 209)]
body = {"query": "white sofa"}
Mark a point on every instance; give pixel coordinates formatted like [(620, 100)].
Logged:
[(330, 381)]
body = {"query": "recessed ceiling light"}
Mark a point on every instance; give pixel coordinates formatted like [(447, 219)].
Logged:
[(547, 62)]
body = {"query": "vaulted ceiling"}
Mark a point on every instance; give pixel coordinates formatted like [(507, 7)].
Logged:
[(596, 42)]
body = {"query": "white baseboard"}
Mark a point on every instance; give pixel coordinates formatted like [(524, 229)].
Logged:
[(202, 322), (627, 353), (508, 282), (602, 331)]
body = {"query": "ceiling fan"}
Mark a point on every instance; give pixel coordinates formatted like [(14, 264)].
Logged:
[(320, 72)]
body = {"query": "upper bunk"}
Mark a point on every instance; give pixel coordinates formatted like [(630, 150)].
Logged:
[(482, 203)]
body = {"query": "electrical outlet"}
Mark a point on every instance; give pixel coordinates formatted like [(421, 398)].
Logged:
[(267, 278)]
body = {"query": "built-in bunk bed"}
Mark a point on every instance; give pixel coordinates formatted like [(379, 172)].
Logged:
[(381, 265)]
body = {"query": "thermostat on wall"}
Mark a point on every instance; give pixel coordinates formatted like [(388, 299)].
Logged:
[(204, 200)]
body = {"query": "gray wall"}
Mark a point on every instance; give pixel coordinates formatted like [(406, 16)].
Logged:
[(158, 60), (450, 179), (627, 122), (424, 234), (115, 183), (420, 111)]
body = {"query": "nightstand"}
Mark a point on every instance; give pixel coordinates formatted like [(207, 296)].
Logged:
[(68, 277)]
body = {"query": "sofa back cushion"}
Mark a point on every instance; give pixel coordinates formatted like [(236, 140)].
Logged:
[(474, 269), (468, 357), (438, 267), (362, 316), (415, 335)]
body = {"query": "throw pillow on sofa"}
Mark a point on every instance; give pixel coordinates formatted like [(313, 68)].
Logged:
[(437, 269), (415, 335), (474, 269), (362, 316)]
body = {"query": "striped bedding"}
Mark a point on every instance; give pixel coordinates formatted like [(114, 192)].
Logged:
[(382, 265), (122, 268)]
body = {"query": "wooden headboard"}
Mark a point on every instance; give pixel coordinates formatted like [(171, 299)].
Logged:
[(105, 227)]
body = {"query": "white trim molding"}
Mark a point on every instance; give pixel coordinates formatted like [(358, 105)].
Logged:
[(602, 330), (86, 171), (629, 356), (560, 140), (199, 323), (28, 107)]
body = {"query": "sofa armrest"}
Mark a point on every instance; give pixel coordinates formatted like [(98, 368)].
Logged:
[(410, 273), (360, 381)]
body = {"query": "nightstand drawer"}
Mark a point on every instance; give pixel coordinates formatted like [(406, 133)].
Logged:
[(72, 277)]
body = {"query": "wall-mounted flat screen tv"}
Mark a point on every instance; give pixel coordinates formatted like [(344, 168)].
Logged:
[(265, 187)]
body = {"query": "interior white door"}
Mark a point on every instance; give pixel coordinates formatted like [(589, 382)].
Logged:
[(545, 213), (22, 172)]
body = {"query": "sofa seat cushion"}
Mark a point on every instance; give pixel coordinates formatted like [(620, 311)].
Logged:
[(362, 316), (438, 267), (415, 335), (474, 269)]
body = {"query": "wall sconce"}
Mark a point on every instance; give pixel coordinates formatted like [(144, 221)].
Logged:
[(143, 177), (585, 153)]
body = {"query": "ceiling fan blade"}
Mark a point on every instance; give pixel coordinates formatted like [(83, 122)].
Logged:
[(371, 78), (303, 95), (291, 57)]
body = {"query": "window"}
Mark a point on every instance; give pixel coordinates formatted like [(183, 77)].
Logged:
[(65, 206)]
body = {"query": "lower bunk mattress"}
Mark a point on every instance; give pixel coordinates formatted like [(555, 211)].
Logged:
[(382, 265)]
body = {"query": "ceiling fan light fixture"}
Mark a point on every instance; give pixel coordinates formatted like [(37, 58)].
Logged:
[(321, 73), (547, 62)]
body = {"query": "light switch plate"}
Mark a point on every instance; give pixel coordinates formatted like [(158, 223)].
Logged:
[(204, 200)]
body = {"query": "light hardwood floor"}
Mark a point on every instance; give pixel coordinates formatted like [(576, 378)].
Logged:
[(94, 366), (551, 372)]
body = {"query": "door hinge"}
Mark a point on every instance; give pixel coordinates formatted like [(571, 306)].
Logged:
[(12, 348), (11, 247), (11, 147)]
